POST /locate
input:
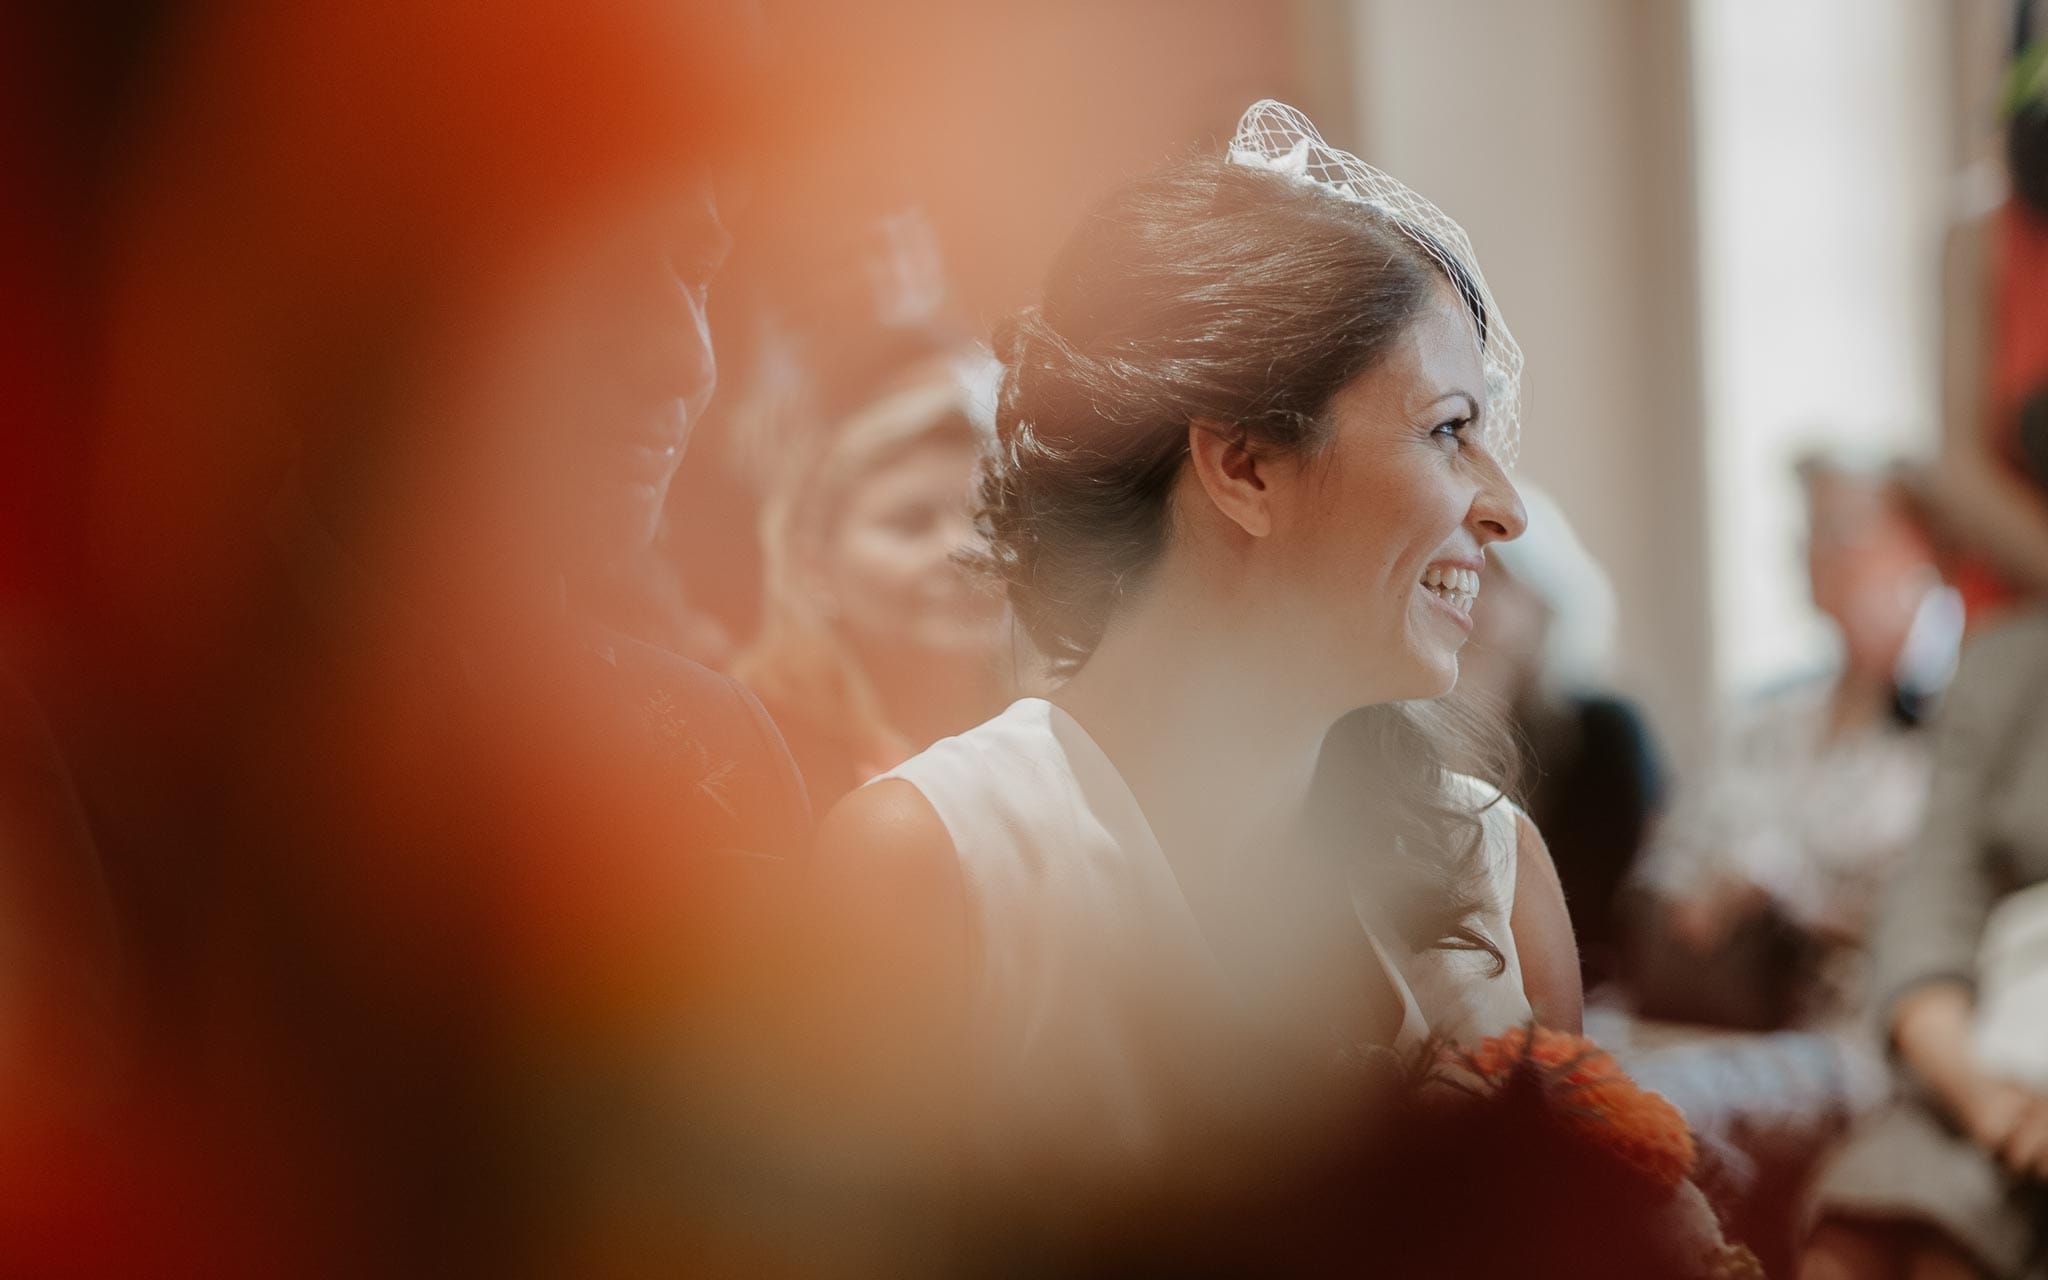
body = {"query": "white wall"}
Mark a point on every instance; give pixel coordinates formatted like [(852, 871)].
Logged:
[(1823, 143)]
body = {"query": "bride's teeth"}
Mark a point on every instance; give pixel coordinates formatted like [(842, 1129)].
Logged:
[(1452, 581)]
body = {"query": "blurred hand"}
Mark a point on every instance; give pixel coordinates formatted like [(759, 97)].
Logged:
[(2008, 1119), (1931, 1026)]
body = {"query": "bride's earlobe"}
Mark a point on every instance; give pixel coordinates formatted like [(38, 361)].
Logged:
[(1232, 474)]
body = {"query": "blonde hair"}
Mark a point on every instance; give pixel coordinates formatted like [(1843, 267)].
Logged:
[(799, 660)]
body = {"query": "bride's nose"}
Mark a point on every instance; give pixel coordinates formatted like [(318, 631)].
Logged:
[(1497, 512)]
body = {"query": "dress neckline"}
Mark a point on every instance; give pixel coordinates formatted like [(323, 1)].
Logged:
[(1117, 807)]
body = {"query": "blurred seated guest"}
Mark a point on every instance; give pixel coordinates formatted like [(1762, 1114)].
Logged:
[(1948, 1179), (876, 641), (1990, 491), (1542, 634), (1761, 887)]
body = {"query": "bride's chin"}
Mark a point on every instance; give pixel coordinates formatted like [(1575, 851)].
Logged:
[(1443, 676)]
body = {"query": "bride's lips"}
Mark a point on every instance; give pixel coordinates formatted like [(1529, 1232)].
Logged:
[(1457, 616), (1452, 585)]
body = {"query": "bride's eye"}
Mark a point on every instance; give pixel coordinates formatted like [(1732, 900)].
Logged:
[(1452, 431)]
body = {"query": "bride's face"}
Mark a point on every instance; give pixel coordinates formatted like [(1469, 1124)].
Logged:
[(1385, 532)]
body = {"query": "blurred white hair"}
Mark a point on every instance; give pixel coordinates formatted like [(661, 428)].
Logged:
[(1551, 562)]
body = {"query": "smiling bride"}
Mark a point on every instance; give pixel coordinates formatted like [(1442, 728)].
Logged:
[(1251, 451)]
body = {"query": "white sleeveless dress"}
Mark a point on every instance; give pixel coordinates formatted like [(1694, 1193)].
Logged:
[(1077, 908)]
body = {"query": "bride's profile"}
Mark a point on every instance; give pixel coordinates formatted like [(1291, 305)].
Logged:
[(1251, 450)]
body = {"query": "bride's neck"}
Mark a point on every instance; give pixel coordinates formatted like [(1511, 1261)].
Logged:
[(1200, 718)]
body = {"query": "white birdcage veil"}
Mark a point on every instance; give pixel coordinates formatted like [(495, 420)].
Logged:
[(1275, 136)]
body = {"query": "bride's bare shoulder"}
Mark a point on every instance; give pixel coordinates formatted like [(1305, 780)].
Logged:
[(890, 822), (884, 849), (891, 933)]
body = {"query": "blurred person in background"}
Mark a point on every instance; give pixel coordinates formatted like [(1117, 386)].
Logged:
[(1246, 467), (1989, 492), (1749, 909), (823, 317), (418, 870), (1757, 894), (1542, 638), (1948, 1179), (876, 639)]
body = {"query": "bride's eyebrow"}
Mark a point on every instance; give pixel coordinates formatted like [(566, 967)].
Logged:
[(1471, 401)]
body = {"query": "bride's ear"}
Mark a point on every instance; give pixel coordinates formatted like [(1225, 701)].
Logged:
[(1237, 479)]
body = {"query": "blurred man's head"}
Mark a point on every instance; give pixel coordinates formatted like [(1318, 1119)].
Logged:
[(593, 363)]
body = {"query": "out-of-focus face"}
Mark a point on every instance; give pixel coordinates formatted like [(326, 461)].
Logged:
[(890, 570), (1867, 565), (1382, 547), (604, 363), (652, 365)]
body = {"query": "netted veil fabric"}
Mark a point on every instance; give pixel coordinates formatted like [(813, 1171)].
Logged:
[(1275, 136)]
